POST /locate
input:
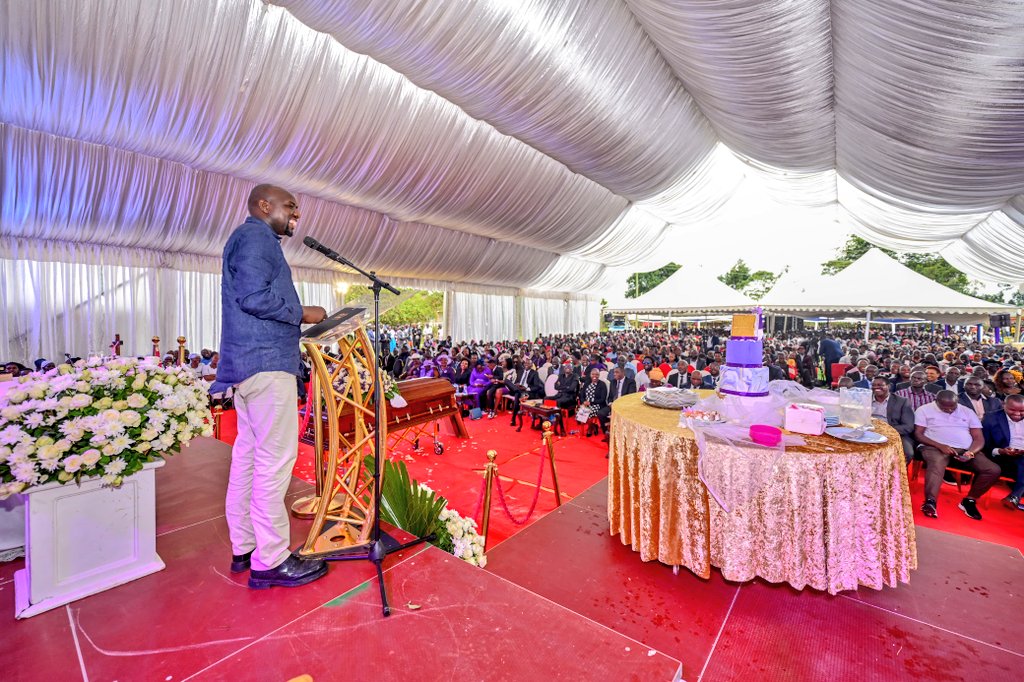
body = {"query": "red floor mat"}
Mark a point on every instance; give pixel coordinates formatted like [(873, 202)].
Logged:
[(458, 472)]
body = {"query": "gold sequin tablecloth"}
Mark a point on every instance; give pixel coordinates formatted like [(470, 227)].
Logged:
[(832, 516)]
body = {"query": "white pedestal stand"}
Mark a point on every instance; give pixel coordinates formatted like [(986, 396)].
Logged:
[(80, 540)]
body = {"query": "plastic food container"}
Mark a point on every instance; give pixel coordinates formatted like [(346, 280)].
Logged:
[(763, 434)]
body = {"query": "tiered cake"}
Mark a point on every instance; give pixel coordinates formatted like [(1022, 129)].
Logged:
[(744, 373)]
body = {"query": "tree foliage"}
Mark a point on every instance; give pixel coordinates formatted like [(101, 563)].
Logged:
[(640, 283), (423, 307), (753, 284), (854, 248)]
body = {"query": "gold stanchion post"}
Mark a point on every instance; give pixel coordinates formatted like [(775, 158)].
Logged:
[(218, 412), (549, 442), (490, 471), (181, 350)]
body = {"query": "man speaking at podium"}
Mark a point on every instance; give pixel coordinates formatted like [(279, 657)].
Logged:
[(259, 355)]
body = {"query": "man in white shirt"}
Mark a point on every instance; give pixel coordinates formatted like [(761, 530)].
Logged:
[(949, 430), (1004, 442)]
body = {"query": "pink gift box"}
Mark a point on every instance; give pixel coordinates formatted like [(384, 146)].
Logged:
[(805, 418)]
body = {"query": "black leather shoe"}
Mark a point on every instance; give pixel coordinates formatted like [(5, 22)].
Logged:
[(292, 572), (929, 510), (240, 562)]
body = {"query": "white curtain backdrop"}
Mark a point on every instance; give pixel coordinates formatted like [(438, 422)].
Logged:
[(542, 316), (486, 317), (53, 308)]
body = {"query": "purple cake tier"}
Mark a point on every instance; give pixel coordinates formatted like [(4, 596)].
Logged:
[(744, 353)]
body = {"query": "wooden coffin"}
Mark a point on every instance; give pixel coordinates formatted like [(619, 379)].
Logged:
[(428, 400)]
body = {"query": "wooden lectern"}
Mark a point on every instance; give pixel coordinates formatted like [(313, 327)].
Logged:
[(343, 505)]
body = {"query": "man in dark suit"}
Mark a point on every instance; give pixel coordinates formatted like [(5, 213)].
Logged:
[(567, 387), (620, 385), (974, 399), (1004, 444), (528, 385), (897, 413), (952, 382), (831, 351), (681, 377)]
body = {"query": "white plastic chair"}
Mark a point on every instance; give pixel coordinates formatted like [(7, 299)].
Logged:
[(549, 386)]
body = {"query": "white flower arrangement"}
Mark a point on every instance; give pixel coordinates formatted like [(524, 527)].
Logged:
[(466, 543), (100, 417), (388, 386)]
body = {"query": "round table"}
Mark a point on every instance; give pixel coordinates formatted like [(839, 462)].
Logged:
[(832, 515)]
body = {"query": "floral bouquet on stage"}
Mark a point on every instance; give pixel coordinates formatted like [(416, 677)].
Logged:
[(388, 385), (458, 535), (100, 417)]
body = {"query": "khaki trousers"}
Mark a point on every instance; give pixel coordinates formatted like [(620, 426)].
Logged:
[(261, 467)]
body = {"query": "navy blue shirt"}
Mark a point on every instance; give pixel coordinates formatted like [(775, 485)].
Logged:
[(260, 310)]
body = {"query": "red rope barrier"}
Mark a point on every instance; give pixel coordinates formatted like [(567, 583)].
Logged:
[(480, 500), (536, 496)]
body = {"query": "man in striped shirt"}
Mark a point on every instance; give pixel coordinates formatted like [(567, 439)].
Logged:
[(916, 393)]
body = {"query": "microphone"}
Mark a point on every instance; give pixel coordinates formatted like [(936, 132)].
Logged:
[(333, 255), (317, 246)]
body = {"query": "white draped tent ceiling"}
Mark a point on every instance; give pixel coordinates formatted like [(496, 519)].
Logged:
[(527, 144)]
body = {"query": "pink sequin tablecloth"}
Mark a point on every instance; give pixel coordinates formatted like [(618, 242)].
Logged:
[(831, 516)]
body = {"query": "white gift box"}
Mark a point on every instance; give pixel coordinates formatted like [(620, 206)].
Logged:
[(805, 418)]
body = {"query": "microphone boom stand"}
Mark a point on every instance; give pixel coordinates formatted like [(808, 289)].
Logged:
[(378, 550)]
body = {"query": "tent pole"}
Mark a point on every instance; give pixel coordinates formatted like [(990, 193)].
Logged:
[(867, 326)]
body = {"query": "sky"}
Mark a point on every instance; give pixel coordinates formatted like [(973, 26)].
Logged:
[(764, 233)]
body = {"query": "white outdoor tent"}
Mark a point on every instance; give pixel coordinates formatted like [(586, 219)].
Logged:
[(876, 285), (690, 290), (502, 150)]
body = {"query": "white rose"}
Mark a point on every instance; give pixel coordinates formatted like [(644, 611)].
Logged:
[(166, 440), (144, 446), (73, 463), (131, 418), (10, 413), (81, 386), (90, 457), (15, 397), (80, 400), (24, 448), (137, 400), (103, 403), (39, 390), (109, 450), (120, 405)]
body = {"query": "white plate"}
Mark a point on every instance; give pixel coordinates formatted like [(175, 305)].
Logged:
[(843, 433)]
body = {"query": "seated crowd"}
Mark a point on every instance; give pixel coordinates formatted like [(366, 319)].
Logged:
[(956, 402)]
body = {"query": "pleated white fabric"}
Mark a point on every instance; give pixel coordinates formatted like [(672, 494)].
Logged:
[(499, 147)]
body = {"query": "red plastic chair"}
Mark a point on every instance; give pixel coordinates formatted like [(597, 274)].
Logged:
[(838, 370)]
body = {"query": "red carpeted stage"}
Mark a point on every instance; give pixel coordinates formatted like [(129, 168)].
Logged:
[(560, 600)]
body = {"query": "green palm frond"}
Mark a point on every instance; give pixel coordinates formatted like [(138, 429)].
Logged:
[(403, 503)]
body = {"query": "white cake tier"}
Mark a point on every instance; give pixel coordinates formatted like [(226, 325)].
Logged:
[(744, 381)]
